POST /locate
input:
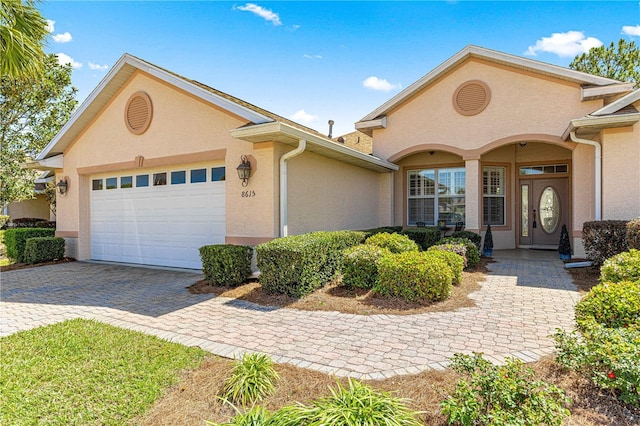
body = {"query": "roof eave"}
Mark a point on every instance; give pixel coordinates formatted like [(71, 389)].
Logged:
[(595, 124), (289, 135)]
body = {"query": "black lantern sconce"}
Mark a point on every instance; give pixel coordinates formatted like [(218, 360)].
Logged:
[(244, 170), (62, 186)]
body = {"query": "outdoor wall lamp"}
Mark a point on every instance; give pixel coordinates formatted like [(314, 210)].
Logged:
[(62, 186), (244, 170)]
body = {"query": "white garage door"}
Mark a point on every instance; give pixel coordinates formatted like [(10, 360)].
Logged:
[(159, 217)]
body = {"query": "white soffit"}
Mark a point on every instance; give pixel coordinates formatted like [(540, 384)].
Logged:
[(114, 80), (289, 135), (491, 56), (616, 106)]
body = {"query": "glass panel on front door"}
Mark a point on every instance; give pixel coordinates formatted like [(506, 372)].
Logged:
[(524, 226), (549, 210)]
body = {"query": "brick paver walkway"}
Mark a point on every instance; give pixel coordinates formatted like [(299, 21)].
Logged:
[(527, 295)]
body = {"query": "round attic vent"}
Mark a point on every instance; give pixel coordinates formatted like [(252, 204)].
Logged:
[(471, 98), (138, 113)]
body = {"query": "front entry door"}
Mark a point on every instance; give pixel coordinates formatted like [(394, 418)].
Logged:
[(544, 208)]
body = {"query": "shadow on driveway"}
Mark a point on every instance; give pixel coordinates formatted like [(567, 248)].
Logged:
[(144, 291)]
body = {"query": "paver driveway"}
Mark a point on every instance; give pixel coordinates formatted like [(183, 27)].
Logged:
[(527, 295)]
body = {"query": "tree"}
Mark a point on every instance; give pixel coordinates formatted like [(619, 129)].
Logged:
[(23, 32), (31, 113), (619, 63)]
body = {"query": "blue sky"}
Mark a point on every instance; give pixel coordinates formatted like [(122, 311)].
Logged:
[(315, 61)]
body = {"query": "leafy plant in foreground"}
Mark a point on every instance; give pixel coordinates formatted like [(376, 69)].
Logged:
[(253, 377)]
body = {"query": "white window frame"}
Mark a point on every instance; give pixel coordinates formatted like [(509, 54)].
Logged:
[(435, 195), (490, 190)]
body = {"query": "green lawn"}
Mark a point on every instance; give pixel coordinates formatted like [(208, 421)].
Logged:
[(85, 372)]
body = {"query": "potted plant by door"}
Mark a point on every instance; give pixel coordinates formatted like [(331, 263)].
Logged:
[(564, 248), (487, 248)]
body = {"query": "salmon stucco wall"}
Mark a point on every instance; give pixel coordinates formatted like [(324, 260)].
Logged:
[(37, 207), (621, 168), (183, 130), (522, 103), (326, 194)]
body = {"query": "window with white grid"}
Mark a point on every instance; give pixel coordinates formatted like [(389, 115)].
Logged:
[(426, 205), (494, 196)]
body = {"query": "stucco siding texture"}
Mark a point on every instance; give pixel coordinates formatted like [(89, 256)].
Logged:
[(521, 103), (37, 207), (621, 173), (326, 194)]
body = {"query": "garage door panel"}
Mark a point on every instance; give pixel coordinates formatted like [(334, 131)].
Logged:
[(163, 225)]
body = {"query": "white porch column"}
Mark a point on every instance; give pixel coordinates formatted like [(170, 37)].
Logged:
[(473, 193)]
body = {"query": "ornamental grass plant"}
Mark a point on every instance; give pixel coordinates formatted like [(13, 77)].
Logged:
[(253, 377)]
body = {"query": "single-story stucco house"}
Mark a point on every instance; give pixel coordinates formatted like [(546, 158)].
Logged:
[(150, 161)]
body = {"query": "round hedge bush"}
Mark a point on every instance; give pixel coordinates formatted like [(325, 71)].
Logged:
[(621, 267), (473, 255), (414, 276), (471, 236), (360, 268), (459, 249), (612, 305), (395, 243), (454, 260)]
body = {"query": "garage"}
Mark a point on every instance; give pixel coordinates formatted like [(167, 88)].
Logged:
[(157, 217)]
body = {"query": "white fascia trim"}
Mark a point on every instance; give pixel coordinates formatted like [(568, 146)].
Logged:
[(53, 163), (312, 139), (380, 123), (619, 104), (609, 121), (600, 92), (191, 88), (492, 56)]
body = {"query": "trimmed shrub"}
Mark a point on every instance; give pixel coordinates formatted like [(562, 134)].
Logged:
[(3, 220), (603, 239), (27, 222), (46, 224), (608, 356), (473, 255), (414, 276), (387, 229), (459, 249), (424, 237), (360, 268), (395, 243), (43, 249), (300, 264), (471, 236), (226, 264), (633, 234), (15, 240), (621, 267), (453, 259), (252, 379), (502, 395), (611, 305), (357, 405)]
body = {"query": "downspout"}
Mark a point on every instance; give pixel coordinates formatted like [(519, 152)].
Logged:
[(598, 171), (302, 145)]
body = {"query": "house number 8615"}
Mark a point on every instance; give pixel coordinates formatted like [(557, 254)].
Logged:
[(247, 194)]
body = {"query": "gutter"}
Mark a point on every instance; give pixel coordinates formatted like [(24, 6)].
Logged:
[(302, 145), (598, 170)]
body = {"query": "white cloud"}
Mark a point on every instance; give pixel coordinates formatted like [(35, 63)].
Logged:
[(64, 59), (62, 38), (313, 56), (303, 117), (376, 83), (631, 30), (97, 66), (265, 14), (50, 25), (567, 44)]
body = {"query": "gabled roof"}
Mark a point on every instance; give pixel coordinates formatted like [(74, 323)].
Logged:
[(587, 81), (120, 74)]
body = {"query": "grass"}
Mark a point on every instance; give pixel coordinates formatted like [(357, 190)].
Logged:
[(86, 372), (252, 378)]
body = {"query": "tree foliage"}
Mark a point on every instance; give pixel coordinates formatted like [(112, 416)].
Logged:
[(23, 32), (31, 113), (621, 62)]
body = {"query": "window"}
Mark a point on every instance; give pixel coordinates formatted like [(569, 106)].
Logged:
[(178, 177), (427, 205), (546, 169), (142, 180), (198, 175), (96, 184), (494, 194), (159, 179), (112, 183), (126, 182), (217, 174)]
